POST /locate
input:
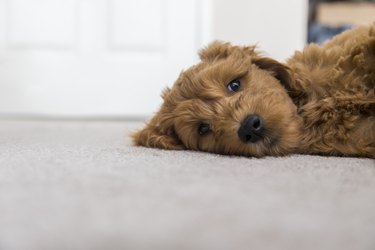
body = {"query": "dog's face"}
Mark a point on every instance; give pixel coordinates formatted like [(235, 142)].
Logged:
[(233, 102)]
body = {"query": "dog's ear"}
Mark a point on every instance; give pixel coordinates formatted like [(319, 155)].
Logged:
[(215, 50), (154, 137), (277, 69), (220, 50), (159, 131)]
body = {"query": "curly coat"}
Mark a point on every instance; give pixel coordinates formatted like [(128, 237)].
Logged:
[(322, 101)]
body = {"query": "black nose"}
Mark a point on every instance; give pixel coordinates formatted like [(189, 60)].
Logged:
[(251, 129)]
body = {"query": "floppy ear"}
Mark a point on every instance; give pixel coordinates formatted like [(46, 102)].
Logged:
[(277, 69), (159, 131), (152, 136), (220, 50)]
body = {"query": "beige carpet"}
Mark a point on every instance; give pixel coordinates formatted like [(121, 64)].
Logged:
[(80, 185)]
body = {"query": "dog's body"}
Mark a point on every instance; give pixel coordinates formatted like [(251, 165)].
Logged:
[(238, 102)]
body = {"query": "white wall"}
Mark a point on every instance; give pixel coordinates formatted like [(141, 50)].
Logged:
[(278, 27)]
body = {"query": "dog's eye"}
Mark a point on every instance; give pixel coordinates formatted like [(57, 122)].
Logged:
[(203, 128), (234, 86)]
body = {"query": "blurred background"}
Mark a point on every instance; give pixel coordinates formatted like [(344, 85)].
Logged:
[(110, 59)]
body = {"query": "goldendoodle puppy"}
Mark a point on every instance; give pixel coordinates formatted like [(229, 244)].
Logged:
[(238, 102)]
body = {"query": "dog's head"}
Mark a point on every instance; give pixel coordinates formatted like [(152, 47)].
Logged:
[(233, 102)]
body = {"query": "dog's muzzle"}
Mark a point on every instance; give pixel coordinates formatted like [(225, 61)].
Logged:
[(251, 129)]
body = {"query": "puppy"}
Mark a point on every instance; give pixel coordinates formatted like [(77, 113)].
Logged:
[(237, 102)]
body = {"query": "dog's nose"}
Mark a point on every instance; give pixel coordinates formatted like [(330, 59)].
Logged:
[(251, 129)]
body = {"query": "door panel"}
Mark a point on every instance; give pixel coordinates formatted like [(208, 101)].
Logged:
[(33, 24), (137, 24), (93, 57)]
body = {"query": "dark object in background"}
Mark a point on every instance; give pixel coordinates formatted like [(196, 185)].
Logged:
[(322, 26), (319, 33)]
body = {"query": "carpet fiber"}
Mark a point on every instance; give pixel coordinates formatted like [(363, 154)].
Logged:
[(81, 185)]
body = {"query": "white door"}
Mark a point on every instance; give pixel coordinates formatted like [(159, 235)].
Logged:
[(94, 57), (113, 57)]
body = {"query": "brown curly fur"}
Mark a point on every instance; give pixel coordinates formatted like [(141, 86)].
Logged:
[(322, 101)]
